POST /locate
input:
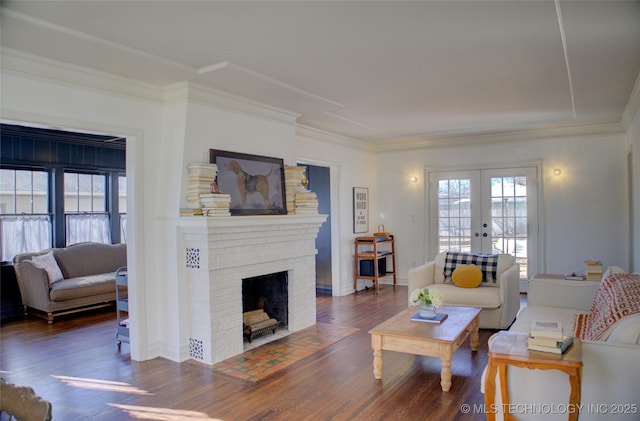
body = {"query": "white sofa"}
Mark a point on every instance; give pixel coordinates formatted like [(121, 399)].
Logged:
[(611, 367), (499, 302)]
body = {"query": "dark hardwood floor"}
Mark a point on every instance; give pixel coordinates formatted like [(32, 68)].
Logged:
[(76, 365)]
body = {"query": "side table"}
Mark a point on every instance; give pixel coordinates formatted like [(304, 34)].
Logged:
[(570, 362)]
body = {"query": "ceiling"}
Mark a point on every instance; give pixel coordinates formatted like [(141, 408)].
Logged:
[(376, 71)]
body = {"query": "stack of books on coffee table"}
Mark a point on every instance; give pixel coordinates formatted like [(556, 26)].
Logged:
[(547, 336)]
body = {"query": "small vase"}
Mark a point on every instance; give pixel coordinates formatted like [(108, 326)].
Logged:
[(427, 311)]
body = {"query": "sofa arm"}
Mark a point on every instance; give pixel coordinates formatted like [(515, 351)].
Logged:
[(562, 293), (421, 276), (34, 285), (510, 295)]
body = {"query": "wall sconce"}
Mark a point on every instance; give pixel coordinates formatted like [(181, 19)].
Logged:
[(557, 171), (414, 179)]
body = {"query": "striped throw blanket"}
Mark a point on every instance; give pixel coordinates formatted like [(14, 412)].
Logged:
[(618, 296)]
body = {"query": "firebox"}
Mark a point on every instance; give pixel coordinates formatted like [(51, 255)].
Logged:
[(268, 293)]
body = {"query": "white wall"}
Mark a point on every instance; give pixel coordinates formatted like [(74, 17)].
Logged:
[(585, 209), (634, 145)]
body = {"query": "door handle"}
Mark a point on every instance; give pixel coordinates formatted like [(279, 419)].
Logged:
[(484, 234), (476, 235)]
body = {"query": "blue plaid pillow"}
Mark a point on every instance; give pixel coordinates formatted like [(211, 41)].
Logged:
[(488, 264)]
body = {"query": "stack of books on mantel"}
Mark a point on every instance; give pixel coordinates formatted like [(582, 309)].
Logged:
[(306, 203), (547, 336), (201, 177), (215, 204), (293, 179)]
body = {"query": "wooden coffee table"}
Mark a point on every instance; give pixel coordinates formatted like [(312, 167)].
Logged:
[(441, 340)]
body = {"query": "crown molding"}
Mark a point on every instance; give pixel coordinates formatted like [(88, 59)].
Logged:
[(220, 99), (41, 68), (505, 136), (335, 139)]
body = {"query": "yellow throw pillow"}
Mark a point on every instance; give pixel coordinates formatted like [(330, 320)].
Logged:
[(467, 276)]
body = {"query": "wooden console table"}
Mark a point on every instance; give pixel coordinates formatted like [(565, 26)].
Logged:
[(570, 362), (373, 250)]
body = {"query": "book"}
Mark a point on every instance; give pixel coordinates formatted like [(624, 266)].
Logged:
[(559, 348), (542, 341), (438, 319), (546, 329)]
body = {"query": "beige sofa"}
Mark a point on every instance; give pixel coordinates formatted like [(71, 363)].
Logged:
[(611, 366), (67, 280), (499, 300)]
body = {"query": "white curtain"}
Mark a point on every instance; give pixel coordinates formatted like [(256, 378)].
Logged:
[(23, 234), (123, 228), (88, 227)]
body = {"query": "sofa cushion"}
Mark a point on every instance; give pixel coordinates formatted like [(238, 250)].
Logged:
[(466, 276), (49, 264), (488, 264), (84, 286), (84, 259), (505, 261), (483, 296), (528, 314)]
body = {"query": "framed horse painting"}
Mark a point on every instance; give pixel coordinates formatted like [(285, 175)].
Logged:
[(255, 183)]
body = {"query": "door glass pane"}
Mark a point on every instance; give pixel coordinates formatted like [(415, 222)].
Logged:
[(509, 218), (454, 211)]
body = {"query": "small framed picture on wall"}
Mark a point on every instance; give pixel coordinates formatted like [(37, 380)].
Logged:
[(360, 210)]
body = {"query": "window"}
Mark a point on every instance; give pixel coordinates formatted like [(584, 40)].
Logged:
[(25, 222), (85, 208)]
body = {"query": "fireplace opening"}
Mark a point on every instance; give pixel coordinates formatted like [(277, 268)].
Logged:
[(268, 293)]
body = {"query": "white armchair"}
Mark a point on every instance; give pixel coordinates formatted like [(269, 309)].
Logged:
[(499, 301)]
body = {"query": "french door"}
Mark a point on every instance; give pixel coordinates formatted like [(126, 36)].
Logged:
[(486, 211)]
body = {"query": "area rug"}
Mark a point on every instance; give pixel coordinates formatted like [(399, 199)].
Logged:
[(259, 363)]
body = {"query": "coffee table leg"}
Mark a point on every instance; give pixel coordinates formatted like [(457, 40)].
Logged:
[(377, 364), (475, 336), (376, 344), (445, 373)]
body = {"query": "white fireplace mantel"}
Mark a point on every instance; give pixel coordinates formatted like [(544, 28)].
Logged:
[(218, 252)]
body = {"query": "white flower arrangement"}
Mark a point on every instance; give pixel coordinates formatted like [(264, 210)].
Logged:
[(427, 296)]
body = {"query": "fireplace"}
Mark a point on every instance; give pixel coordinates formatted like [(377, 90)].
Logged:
[(268, 293), (218, 253)]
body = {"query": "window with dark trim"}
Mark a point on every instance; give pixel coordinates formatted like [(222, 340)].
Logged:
[(25, 221), (57, 186)]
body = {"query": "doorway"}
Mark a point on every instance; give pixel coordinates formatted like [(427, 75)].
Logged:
[(320, 183), (486, 211)]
